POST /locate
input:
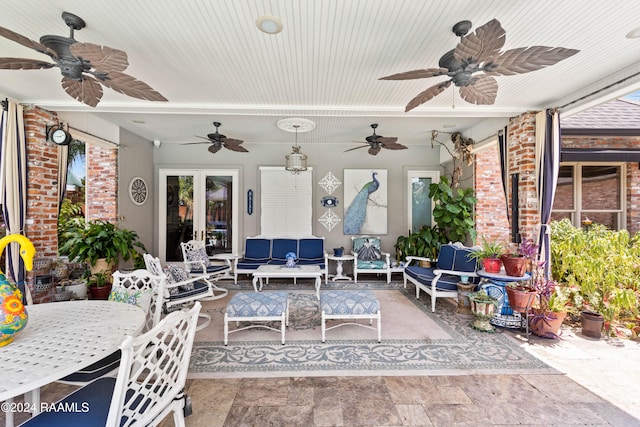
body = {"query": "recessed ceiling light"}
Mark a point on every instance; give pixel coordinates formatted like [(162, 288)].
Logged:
[(634, 34), (269, 24)]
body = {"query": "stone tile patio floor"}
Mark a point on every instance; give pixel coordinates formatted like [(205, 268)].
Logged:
[(598, 384)]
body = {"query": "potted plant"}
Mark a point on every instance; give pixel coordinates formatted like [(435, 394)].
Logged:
[(453, 211), (551, 311), (517, 263), (99, 285), (102, 241), (488, 255), (424, 243), (483, 307)]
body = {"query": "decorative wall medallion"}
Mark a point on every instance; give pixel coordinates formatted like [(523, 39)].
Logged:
[(329, 201), (329, 183), (329, 220), (138, 191)]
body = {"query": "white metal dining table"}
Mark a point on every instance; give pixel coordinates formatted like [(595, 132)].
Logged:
[(60, 338)]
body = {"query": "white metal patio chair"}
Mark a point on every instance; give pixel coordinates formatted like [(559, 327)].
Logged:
[(149, 385), (178, 291), (197, 262)]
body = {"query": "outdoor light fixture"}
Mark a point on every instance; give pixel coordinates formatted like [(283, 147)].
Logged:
[(296, 161)]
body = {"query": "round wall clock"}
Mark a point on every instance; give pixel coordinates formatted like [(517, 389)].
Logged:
[(138, 190)]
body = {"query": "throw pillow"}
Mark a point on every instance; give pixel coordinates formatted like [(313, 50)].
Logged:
[(180, 275), (368, 249), (198, 255), (170, 281), (141, 298)]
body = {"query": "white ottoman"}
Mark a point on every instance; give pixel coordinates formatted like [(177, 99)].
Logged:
[(350, 305), (257, 307)]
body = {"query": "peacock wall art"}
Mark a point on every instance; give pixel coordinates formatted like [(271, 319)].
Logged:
[(365, 201)]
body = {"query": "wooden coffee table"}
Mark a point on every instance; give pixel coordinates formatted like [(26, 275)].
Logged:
[(282, 272)]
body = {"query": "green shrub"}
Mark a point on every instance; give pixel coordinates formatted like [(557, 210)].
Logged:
[(601, 266)]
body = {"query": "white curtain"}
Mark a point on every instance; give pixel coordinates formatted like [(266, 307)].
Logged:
[(286, 203), (13, 172)]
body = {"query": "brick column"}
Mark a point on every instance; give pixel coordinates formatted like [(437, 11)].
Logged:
[(101, 183), (491, 215)]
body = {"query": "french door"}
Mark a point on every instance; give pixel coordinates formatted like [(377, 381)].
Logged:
[(198, 204)]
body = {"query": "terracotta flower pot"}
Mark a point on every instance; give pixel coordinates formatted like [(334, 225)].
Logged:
[(101, 292), (514, 266), (546, 325), (520, 299), (491, 265)]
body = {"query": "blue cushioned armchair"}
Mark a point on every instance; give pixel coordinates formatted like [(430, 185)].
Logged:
[(441, 281), (369, 258)]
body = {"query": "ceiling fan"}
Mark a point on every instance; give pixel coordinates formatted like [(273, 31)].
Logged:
[(480, 52), (376, 142), (218, 140), (84, 66)]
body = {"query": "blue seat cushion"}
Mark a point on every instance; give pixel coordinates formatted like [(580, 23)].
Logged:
[(454, 258), (96, 369), (281, 247), (251, 264), (425, 276), (212, 268), (92, 401), (349, 302), (314, 261), (311, 249), (372, 265), (257, 249), (199, 287), (277, 262), (257, 304)]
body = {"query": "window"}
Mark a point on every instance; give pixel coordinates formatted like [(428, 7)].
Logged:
[(286, 202), (591, 193), (419, 205)]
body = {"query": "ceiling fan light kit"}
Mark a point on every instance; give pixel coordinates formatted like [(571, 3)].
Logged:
[(296, 162), (85, 67), (480, 52)]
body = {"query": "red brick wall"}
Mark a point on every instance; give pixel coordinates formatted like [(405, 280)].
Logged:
[(491, 215), (101, 183)]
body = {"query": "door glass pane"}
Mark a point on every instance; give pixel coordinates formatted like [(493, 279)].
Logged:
[(420, 203), (179, 221), (564, 191), (601, 187), (219, 208)]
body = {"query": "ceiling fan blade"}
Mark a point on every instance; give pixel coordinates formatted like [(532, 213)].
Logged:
[(482, 45), (393, 146), (235, 147), (102, 58), (232, 141), (426, 95), (355, 148), (24, 41), (527, 59), (130, 86), (417, 74), (386, 139), (482, 91), (214, 148), (88, 90), (374, 150), (206, 141), (23, 64)]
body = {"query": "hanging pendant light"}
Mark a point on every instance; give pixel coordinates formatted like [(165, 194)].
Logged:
[(296, 161)]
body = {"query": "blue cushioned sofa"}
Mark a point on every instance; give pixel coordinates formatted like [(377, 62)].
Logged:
[(441, 280), (263, 251)]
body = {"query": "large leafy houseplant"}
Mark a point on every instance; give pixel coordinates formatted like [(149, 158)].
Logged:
[(423, 243), (453, 210), (97, 239)]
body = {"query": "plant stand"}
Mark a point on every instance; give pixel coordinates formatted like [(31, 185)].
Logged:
[(464, 304)]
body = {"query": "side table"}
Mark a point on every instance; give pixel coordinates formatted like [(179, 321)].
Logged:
[(494, 285), (339, 269), (229, 259)]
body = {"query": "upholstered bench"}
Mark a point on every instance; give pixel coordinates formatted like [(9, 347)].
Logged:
[(350, 305), (257, 307)]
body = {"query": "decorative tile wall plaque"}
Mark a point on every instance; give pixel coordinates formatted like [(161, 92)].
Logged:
[(329, 220), (329, 183), (329, 201)]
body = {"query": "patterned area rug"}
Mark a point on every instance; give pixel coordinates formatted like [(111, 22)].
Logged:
[(416, 342)]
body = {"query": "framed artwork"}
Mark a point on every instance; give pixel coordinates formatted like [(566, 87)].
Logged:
[(365, 201)]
